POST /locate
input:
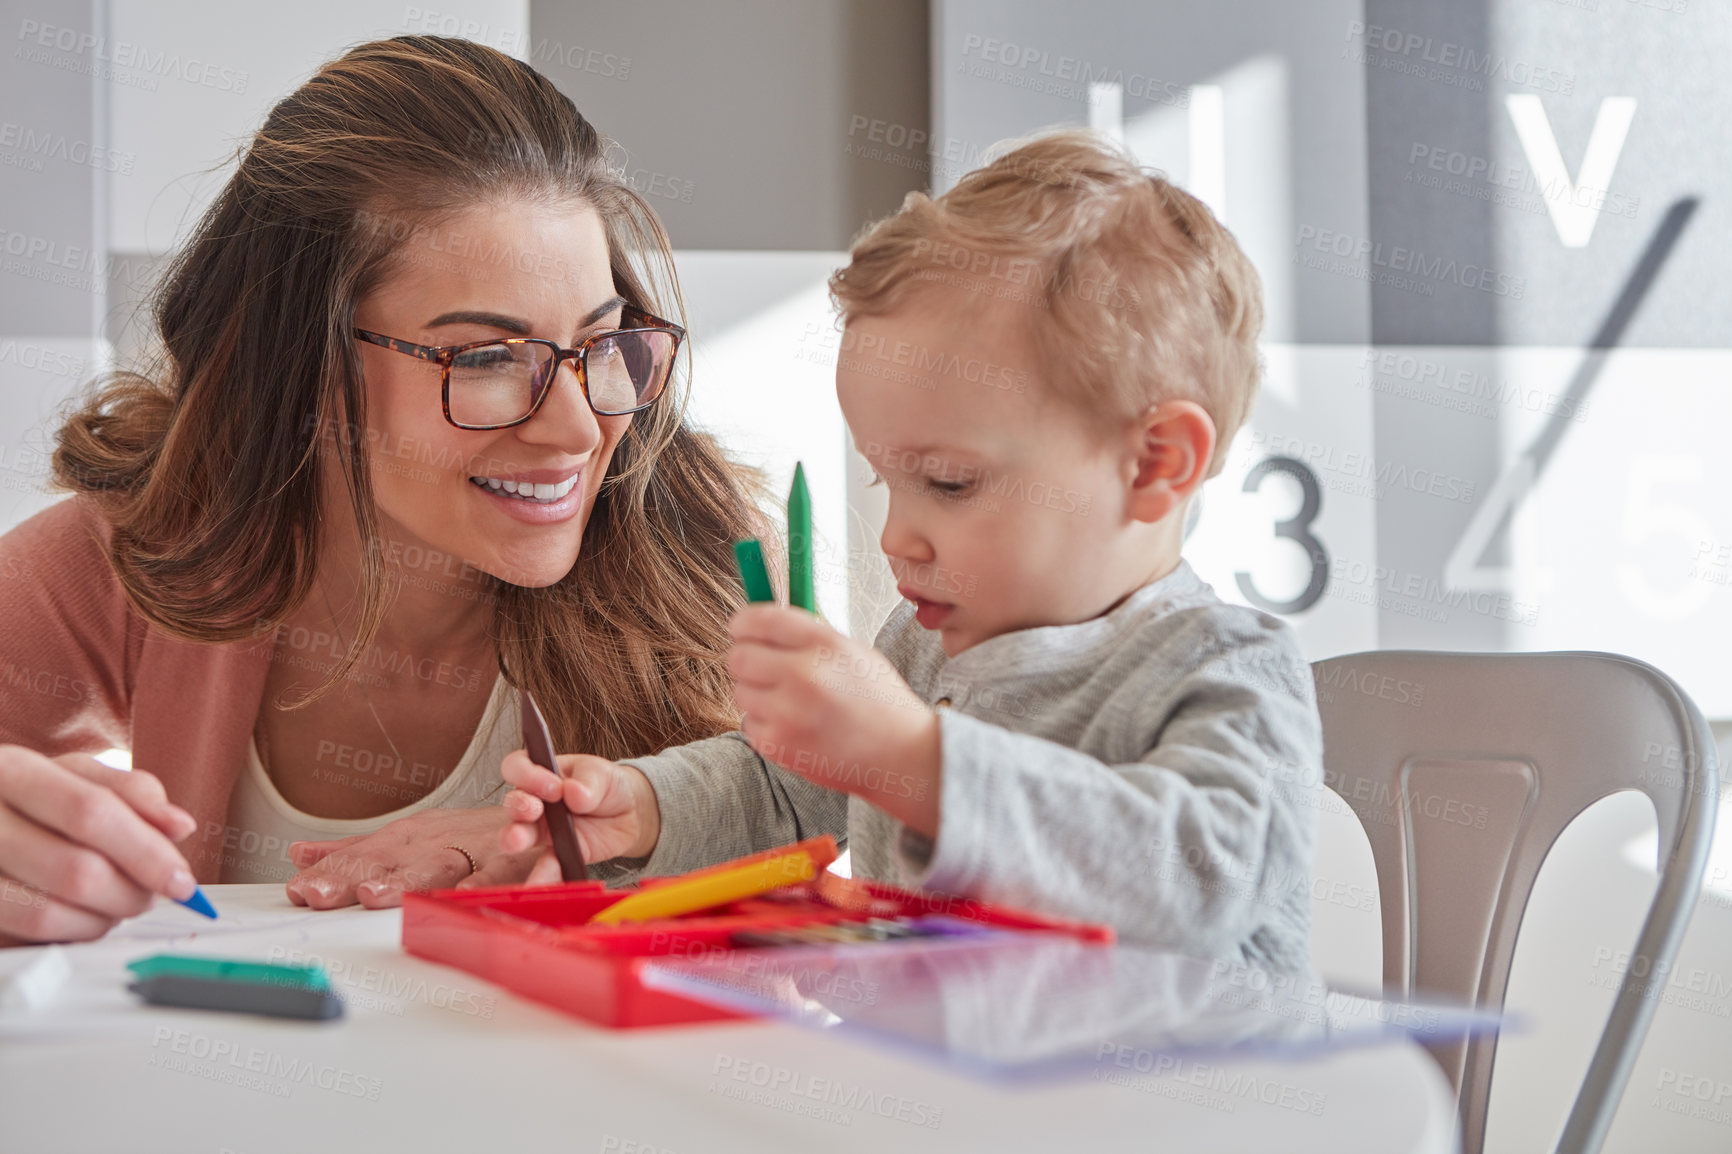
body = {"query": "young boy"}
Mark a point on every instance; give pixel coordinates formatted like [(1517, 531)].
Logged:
[(1043, 365)]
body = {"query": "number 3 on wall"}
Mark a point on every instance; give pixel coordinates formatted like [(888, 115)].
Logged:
[(1296, 528)]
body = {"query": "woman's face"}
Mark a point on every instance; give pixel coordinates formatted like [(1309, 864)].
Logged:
[(443, 488)]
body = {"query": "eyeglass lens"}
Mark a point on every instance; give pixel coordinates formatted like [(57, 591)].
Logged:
[(501, 383)]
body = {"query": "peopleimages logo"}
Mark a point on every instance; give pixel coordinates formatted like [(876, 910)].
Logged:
[(1432, 381), (1229, 1086), (36, 36), (1380, 476), (1313, 245), (1486, 178), (253, 1067), (1458, 65), (38, 144), (799, 1092), (1040, 69)]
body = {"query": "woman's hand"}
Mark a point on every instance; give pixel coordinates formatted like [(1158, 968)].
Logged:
[(410, 855), (83, 845), (613, 809), (836, 712)]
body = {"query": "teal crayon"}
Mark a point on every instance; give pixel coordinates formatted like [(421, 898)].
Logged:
[(800, 591), (749, 557), (228, 970)]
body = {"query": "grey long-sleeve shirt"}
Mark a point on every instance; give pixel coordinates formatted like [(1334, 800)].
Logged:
[(1155, 768)]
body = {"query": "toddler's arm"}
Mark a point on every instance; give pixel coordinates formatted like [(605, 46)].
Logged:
[(720, 800), (1201, 843)]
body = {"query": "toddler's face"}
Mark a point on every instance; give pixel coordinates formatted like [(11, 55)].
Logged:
[(1007, 509)]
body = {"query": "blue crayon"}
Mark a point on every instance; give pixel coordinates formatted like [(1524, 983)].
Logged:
[(198, 903)]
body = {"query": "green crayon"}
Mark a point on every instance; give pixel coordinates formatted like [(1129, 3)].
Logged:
[(749, 556), (800, 592)]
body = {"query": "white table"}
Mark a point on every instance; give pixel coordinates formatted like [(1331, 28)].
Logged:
[(432, 1059)]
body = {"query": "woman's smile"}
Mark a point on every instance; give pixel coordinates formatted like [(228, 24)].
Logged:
[(532, 497)]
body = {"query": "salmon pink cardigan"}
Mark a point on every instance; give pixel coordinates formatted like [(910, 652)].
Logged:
[(81, 672)]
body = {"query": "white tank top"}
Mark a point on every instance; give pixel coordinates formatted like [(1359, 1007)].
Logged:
[(261, 824)]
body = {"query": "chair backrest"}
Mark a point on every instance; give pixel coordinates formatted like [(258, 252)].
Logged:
[(1464, 768)]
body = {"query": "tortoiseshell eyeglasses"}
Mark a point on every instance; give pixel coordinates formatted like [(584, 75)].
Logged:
[(500, 383)]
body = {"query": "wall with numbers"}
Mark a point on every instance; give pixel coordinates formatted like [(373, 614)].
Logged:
[(1493, 248), (1498, 305)]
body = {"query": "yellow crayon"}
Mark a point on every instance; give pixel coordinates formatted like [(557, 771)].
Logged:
[(708, 890)]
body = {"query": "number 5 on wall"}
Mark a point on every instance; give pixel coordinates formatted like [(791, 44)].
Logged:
[(1644, 518)]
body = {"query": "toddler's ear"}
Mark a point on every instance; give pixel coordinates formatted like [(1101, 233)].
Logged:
[(1175, 443)]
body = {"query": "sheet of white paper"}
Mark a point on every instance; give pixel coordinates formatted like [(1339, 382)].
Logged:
[(254, 922)]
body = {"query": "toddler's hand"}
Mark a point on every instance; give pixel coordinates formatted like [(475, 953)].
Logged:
[(835, 712), (613, 809)]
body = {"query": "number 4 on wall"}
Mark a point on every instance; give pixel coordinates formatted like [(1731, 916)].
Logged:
[(1503, 501), (1644, 518)]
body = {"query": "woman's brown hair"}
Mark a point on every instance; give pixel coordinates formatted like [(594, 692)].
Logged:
[(207, 467)]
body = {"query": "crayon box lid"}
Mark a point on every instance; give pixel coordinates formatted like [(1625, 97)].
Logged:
[(1019, 1008)]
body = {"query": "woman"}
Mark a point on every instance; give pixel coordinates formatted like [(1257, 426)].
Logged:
[(310, 559)]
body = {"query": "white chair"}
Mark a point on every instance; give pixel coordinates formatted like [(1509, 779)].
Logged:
[(1464, 769)]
